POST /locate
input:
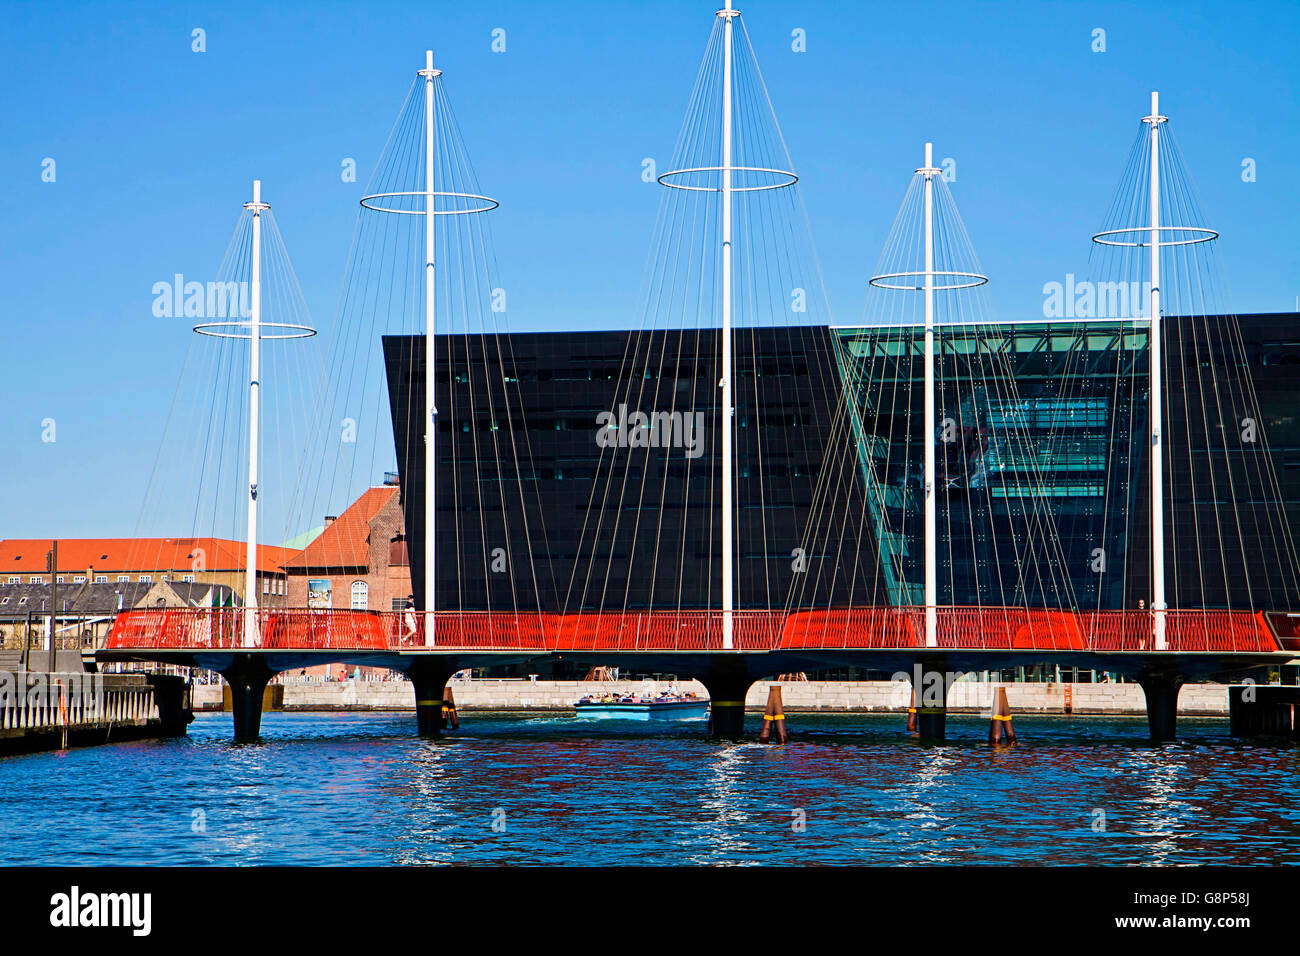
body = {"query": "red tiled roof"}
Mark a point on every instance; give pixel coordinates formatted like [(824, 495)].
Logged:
[(184, 555), (346, 542)]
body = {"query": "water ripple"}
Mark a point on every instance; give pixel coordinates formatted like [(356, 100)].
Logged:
[(361, 789)]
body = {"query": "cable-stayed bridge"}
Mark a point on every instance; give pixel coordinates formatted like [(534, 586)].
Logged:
[(906, 475)]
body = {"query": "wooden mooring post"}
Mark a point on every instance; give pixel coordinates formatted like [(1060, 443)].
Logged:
[(773, 718), (1000, 727)]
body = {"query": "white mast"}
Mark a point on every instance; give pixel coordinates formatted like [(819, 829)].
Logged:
[(931, 545), (728, 411), (1156, 400), (252, 637), (1135, 236), (696, 176), (430, 406), (255, 330), (422, 201), (954, 274)]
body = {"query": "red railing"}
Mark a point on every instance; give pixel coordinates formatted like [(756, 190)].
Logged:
[(1185, 630), (978, 628), (223, 629), (328, 630), (1005, 628), (665, 631), (486, 630), (855, 628)]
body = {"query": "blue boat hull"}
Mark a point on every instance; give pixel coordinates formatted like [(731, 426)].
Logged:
[(671, 710)]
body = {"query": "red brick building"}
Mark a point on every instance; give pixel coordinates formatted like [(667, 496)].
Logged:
[(358, 561)]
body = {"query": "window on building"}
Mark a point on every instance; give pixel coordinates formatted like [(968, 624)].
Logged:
[(187, 578), (23, 599), (37, 580), (123, 578), (60, 579), (399, 604), (101, 578), (360, 596), (15, 579), (79, 579), (5, 600), (144, 578), (266, 585)]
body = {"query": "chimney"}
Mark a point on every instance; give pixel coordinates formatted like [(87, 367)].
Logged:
[(330, 519)]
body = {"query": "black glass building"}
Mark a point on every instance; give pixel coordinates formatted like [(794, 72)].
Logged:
[(1041, 465)]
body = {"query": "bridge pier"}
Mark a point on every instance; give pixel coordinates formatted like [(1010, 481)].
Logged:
[(1264, 710), (727, 684), (1161, 692), (430, 679), (930, 686), (247, 677), (172, 696)]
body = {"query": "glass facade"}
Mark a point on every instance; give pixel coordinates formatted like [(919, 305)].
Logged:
[(1041, 466), (1031, 475)]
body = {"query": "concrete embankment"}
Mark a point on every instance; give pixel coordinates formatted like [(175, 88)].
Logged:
[(824, 696), (41, 711)]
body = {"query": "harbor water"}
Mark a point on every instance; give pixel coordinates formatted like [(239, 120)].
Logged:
[(362, 789)]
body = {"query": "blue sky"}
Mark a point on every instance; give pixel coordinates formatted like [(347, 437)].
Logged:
[(155, 145)]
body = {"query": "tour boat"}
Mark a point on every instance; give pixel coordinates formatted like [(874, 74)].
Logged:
[(634, 707)]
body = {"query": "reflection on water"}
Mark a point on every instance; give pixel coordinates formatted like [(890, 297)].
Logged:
[(722, 803), (1160, 810), (362, 789)]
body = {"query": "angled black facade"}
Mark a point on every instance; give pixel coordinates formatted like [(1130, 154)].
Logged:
[(610, 526)]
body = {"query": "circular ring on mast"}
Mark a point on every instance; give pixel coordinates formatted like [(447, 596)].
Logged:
[(484, 203), (1190, 235), (789, 180), (962, 280), (230, 330)]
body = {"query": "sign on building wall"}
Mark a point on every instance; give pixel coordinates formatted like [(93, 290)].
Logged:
[(319, 593)]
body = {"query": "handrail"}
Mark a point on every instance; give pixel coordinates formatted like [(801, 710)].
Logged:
[(850, 628)]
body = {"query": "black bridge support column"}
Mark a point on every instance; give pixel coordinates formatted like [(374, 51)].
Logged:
[(172, 695), (727, 682), (1161, 692), (247, 677), (930, 681), (430, 679)]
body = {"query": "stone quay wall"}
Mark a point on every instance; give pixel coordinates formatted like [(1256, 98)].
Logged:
[(823, 696)]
